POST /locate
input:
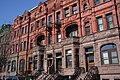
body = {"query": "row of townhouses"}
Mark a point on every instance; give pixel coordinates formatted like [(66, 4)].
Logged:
[(66, 40)]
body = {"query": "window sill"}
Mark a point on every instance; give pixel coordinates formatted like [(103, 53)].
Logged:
[(106, 65)]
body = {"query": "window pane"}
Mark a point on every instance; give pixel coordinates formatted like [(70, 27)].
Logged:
[(110, 20), (97, 2), (114, 57), (111, 24), (85, 7), (74, 9), (66, 12), (113, 54), (59, 37), (99, 20), (108, 46), (43, 22), (115, 60), (87, 29), (105, 55), (91, 58), (69, 58), (90, 49), (100, 27), (100, 23), (69, 51), (69, 61), (106, 62)]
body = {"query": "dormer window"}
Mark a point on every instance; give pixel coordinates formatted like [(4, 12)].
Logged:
[(17, 21), (35, 14), (40, 9), (25, 18), (85, 7)]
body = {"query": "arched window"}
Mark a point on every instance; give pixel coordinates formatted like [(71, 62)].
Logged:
[(8, 68), (22, 64), (13, 68), (109, 54), (40, 40), (85, 7), (72, 30)]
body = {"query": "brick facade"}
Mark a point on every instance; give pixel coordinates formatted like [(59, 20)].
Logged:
[(79, 30)]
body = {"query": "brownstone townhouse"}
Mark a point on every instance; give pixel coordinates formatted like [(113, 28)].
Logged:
[(67, 40)]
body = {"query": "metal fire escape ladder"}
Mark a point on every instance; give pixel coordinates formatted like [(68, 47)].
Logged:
[(92, 73)]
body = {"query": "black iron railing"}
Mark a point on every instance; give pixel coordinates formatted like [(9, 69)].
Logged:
[(77, 73), (92, 73)]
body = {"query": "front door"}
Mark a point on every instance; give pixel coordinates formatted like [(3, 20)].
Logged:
[(58, 63), (89, 61)]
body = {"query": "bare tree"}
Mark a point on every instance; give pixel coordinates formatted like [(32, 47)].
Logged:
[(4, 45)]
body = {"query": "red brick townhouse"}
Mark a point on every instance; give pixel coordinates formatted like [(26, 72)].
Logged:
[(76, 39)]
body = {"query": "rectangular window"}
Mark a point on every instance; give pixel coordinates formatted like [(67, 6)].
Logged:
[(74, 9), (58, 60), (22, 64), (24, 45), (37, 23), (15, 34), (16, 47), (8, 68), (67, 14), (100, 23), (31, 29), (87, 30), (68, 58), (22, 30), (43, 22), (110, 21), (13, 69), (58, 17), (97, 2), (50, 20), (35, 62), (59, 37), (50, 38), (26, 29)]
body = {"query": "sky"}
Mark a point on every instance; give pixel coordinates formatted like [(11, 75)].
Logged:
[(9, 9)]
